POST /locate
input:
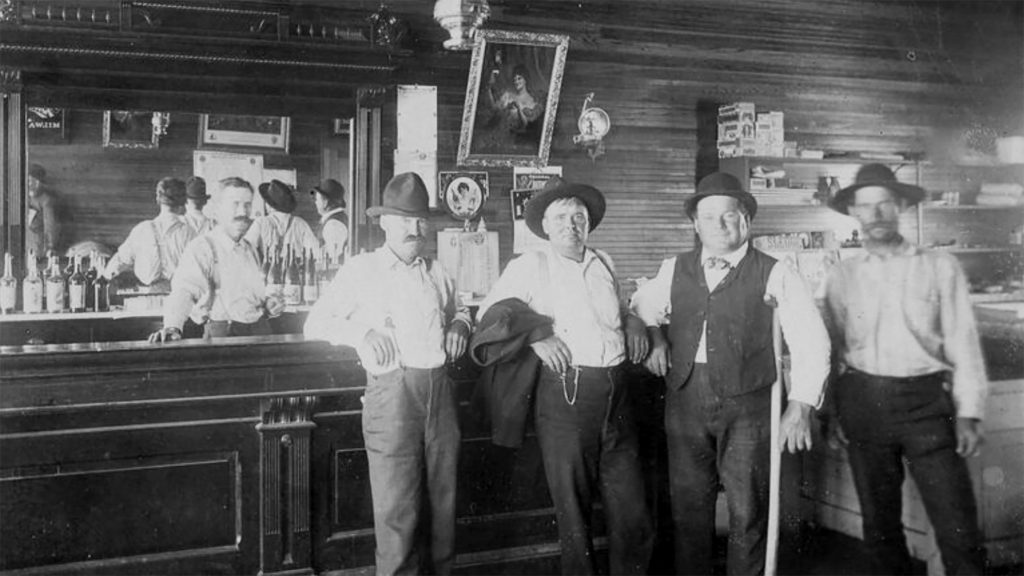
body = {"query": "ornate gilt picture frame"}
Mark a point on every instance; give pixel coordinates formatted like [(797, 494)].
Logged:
[(515, 79)]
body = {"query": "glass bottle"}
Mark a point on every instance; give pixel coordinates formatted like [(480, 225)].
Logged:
[(56, 288), (292, 282), (76, 288), (275, 279), (8, 286), (99, 292), (311, 280), (32, 288), (323, 277)]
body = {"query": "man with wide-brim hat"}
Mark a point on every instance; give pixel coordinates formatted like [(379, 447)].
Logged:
[(581, 400), (43, 224), (279, 231), (195, 200), (912, 383), (402, 314), (154, 247), (329, 200), (709, 313)]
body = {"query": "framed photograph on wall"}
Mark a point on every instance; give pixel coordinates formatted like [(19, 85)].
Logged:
[(462, 194), (251, 131), (511, 98), (129, 129)]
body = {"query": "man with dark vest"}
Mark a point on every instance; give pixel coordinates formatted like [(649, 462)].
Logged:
[(329, 199), (709, 314)]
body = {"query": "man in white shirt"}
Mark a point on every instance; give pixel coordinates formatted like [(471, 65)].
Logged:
[(280, 228), (402, 314), (584, 426), (329, 199), (195, 199), (715, 304), (153, 247), (219, 281)]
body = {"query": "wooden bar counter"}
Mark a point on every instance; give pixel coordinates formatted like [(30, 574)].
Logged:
[(233, 456)]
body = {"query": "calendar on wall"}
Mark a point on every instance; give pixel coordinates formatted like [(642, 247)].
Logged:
[(471, 258)]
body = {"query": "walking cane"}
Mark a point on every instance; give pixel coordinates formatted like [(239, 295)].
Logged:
[(775, 462)]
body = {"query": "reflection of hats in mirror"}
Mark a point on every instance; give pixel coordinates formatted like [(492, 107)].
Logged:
[(36, 171), (195, 188), (278, 196), (332, 190), (170, 191)]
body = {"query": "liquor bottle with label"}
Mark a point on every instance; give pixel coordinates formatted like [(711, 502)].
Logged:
[(32, 288), (77, 288), (8, 286), (56, 287), (292, 282), (323, 278), (90, 278), (275, 279), (311, 280), (99, 289)]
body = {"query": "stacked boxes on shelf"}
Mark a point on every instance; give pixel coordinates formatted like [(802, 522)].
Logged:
[(741, 132)]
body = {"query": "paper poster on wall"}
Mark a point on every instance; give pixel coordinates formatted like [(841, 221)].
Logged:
[(526, 182), (416, 146), (214, 166), (471, 258)]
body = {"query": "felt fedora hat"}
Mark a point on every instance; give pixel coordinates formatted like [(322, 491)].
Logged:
[(721, 184), (332, 190), (195, 188), (875, 175), (404, 195), (170, 191), (557, 189), (278, 196)]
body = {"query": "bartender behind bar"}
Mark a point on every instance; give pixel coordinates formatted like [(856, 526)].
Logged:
[(219, 281)]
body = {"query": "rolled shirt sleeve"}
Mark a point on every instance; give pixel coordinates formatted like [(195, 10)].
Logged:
[(804, 331), (652, 302)]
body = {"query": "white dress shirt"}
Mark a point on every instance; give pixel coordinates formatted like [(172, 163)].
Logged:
[(334, 232), (802, 326), (414, 303), (581, 297), (199, 222), (153, 248), (217, 279), (278, 229)]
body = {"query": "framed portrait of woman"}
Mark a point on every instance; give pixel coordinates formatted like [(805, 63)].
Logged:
[(511, 98)]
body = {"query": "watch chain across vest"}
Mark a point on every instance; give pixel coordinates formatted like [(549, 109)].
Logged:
[(739, 324)]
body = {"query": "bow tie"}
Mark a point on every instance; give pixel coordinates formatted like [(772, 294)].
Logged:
[(716, 263)]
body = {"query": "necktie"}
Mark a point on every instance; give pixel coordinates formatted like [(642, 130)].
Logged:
[(716, 263)]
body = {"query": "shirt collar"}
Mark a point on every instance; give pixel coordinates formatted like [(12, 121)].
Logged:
[(733, 258), (904, 248), (329, 213), (391, 260), (221, 237)]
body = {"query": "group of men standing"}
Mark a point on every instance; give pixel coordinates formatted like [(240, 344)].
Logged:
[(908, 383)]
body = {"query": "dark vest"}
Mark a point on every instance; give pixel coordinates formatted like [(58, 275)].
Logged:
[(739, 334)]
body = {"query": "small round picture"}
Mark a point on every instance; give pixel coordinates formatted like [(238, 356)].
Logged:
[(464, 194)]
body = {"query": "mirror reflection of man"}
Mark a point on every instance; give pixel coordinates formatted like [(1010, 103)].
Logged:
[(329, 199), (195, 199), (280, 228), (42, 229), (154, 246), (219, 280)]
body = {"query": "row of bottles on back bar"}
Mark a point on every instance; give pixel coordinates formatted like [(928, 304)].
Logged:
[(298, 278), (56, 289)]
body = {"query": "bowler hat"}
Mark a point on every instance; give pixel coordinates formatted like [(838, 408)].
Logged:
[(721, 184), (170, 191), (278, 196), (557, 189), (404, 195), (332, 190), (36, 171), (195, 188), (875, 175)]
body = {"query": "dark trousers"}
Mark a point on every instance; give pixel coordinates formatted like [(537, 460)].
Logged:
[(892, 420), (222, 328), (588, 443), (716, 441), (411, 431)]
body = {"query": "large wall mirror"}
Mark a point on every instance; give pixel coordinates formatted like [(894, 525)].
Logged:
[(100, 167)]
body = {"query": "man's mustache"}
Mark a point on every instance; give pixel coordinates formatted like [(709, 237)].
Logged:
[(415, 238), (242, 220)]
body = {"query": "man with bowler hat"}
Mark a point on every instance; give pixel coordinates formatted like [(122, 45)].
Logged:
[(912, 383), (279, 227), (709, 313), (329, 199), (195, 199), (153, 247), (584, 425), (402, 314)]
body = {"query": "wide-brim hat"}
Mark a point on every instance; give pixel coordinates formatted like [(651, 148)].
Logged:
[(721, 184), (278, 196), (875, 175), (170, 191), (557, 189), (195, 188), (332, 190), (404, 195)]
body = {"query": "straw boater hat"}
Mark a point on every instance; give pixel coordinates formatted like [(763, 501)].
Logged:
[(195, 188), (721, 184), (557, 189), (332, 190), (875, 175), (278, 196), (170, 191), (404, 195)]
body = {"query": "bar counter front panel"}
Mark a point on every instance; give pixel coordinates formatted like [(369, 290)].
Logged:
[(231, 456)]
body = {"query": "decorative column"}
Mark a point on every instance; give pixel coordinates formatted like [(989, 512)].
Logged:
[(12, 156), (285, 539)]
